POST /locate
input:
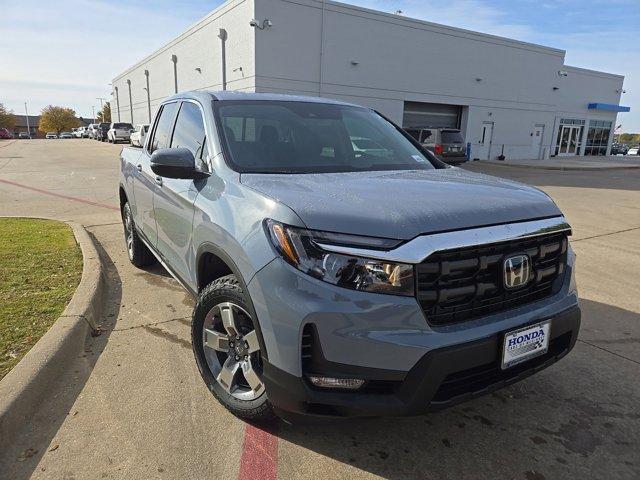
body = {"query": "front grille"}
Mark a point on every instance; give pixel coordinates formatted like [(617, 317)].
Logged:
[(462, 284)]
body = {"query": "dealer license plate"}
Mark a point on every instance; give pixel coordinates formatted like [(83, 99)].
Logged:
[(525, 344)]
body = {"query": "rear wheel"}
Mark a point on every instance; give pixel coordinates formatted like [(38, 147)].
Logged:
[(138, 252), (227, 351)]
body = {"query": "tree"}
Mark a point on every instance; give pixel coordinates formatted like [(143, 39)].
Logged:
[(7, 118), (632, 138), (104, 116), (57, 119)]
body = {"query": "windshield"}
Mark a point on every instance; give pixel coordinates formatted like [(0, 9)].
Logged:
[(305, 137), (122, 126)]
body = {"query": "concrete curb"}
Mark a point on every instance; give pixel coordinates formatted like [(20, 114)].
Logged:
[(29, 382), (561, 168)]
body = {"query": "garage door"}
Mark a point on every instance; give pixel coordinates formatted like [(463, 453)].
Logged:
[(436, 115)]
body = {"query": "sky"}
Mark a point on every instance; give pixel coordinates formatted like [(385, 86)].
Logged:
[(66, 52)]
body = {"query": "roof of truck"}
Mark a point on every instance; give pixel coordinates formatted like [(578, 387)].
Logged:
[(225, 95)]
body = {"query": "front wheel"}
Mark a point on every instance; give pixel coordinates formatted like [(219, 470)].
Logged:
[(227, 351)]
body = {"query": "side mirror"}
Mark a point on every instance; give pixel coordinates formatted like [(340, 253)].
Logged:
[(175, 163)]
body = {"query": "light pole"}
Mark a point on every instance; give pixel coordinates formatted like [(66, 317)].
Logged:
[(93, 109), (101, 100), (26, 115)]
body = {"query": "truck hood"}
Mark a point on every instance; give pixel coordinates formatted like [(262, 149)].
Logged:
[(402, 204)]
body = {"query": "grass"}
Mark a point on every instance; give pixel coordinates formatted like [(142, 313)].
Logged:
[(40, 267)]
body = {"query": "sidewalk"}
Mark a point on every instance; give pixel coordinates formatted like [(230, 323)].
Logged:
[(612, 162)]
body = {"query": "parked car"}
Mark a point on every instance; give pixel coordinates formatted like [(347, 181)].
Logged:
[(5, 134), (120, 132), (91, 130), (619, 149), (101, 131), (24, 136), (634, 150), (66, 135), (138, 135), (330, 282), (446, 143), (51, 136)]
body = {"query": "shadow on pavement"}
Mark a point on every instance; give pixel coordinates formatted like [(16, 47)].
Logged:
[(40, 430), (577, 419)]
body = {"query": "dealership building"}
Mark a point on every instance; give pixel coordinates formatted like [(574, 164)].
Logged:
[(507, 97)]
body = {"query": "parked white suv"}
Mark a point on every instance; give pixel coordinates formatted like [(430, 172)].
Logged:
[(138, 135), (119, 132), (91, 130)]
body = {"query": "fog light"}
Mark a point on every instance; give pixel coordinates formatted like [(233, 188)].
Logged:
[(344, 383)]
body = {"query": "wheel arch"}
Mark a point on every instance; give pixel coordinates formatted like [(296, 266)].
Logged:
[(213, 262), (123, 197)]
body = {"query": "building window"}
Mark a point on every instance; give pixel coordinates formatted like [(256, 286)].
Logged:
[(598, 137)]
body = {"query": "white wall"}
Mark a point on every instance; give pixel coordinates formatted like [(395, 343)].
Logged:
[(398, 58), (198, 47)]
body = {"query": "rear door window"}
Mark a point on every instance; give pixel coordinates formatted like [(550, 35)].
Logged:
[(164, 127), (452, 136)]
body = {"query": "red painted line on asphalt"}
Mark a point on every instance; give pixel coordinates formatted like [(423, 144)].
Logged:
[(59, 195), (259, 459)]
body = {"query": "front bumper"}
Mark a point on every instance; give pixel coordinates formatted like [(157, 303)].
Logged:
[(442, 378)]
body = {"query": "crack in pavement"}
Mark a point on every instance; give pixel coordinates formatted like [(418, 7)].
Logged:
[(605, 234), (173, 338), (183, 320), (609, 351)]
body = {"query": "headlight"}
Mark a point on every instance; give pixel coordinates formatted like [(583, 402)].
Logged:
[(300, 248)]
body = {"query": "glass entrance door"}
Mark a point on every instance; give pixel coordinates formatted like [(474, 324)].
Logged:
[(569, 140)]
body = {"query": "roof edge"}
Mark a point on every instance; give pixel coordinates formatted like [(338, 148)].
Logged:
[(480, 35), (596, 73)]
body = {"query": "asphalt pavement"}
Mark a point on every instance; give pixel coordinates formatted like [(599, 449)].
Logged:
[(134, 405)]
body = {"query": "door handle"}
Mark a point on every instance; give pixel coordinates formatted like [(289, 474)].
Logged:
[(139, 167), (159, 181)]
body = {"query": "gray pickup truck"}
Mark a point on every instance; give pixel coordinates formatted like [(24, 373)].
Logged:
[(340, 269)]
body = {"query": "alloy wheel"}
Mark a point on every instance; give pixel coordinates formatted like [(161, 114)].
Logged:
[(128, 230), (232, 351)]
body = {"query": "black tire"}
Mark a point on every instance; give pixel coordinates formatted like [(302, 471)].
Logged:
[(222, 290), (137, 251)]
